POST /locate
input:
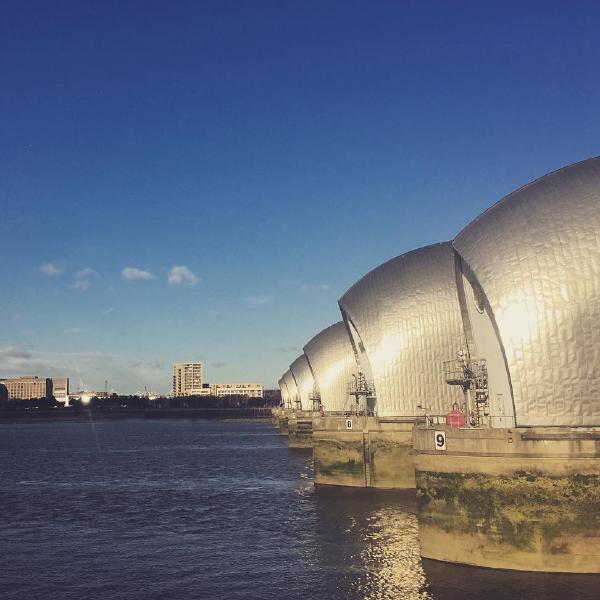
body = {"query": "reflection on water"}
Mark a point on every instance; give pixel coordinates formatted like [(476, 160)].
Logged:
[(194, 510), (391, 550), (369, 540), (374, 551)]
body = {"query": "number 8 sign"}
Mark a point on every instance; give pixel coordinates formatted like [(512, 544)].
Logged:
[(439, 440)]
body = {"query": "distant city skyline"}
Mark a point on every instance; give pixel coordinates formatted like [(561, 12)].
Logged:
[(207, 180)]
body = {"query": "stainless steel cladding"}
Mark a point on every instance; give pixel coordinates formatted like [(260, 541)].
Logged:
[(332, 362), (285, 397), (536, 257), (304, 382), (407, 315), (292, 390)]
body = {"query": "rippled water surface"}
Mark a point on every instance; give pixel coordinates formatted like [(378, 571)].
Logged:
[(199, 509)]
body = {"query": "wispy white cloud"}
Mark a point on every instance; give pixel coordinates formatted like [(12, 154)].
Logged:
[(180, 274), (16, 361), (257, 300), (83, 278), (314, 287), (79, 366), (149, 365), (86, 272), (135, 274), (52, 269), (108, 311), (217, 364), (87, 370), (12, 352)]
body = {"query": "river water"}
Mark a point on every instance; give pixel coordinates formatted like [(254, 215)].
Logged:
[(177, 509)]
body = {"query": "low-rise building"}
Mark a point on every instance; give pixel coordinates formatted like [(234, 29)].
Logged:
[(60, 388), (28, 387), (252, 390), (86, 396)]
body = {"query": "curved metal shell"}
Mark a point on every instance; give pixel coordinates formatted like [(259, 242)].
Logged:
[(332, 362), (304, 382), (536, 256), (292, 390), (408, 317), (285, 397)]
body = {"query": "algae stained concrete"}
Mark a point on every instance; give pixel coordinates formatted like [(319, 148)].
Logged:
[(300, 429), (281, 418), (275, 415), (525, 499), (362, 452), (338, 451), (391, 456)]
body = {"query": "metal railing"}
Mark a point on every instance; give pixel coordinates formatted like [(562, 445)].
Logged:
[(467, 372)]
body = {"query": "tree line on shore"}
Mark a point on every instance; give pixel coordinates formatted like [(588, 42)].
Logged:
[(124, 402)]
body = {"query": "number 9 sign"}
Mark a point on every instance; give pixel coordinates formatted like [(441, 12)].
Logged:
[(439, 440)]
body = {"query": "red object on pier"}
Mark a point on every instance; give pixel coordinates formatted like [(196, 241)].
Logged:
[(456, 418)]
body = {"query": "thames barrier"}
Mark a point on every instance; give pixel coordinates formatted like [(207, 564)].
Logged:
[(469, 371)]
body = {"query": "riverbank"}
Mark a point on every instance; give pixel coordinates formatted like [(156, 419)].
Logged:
[(84, 414)]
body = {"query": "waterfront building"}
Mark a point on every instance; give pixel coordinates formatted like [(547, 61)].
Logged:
[(280, 413), (518, 486), (305, 383), (28, 387), (85, 396), (290, 402), (292, 389), (60, 389), (306, 400), (252, 390), (477, 378), (403, 320), (284, 392), (333, 365), (188, 379)]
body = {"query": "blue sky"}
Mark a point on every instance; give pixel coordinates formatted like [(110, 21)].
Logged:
[(276, 150)]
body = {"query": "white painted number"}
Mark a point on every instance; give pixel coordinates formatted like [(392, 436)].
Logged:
[(348, 423), (439, 439)]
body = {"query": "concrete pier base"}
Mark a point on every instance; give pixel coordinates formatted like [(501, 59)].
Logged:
[(363, 452), (300, 429), (522, 498), (275, 412), (280, 419)]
